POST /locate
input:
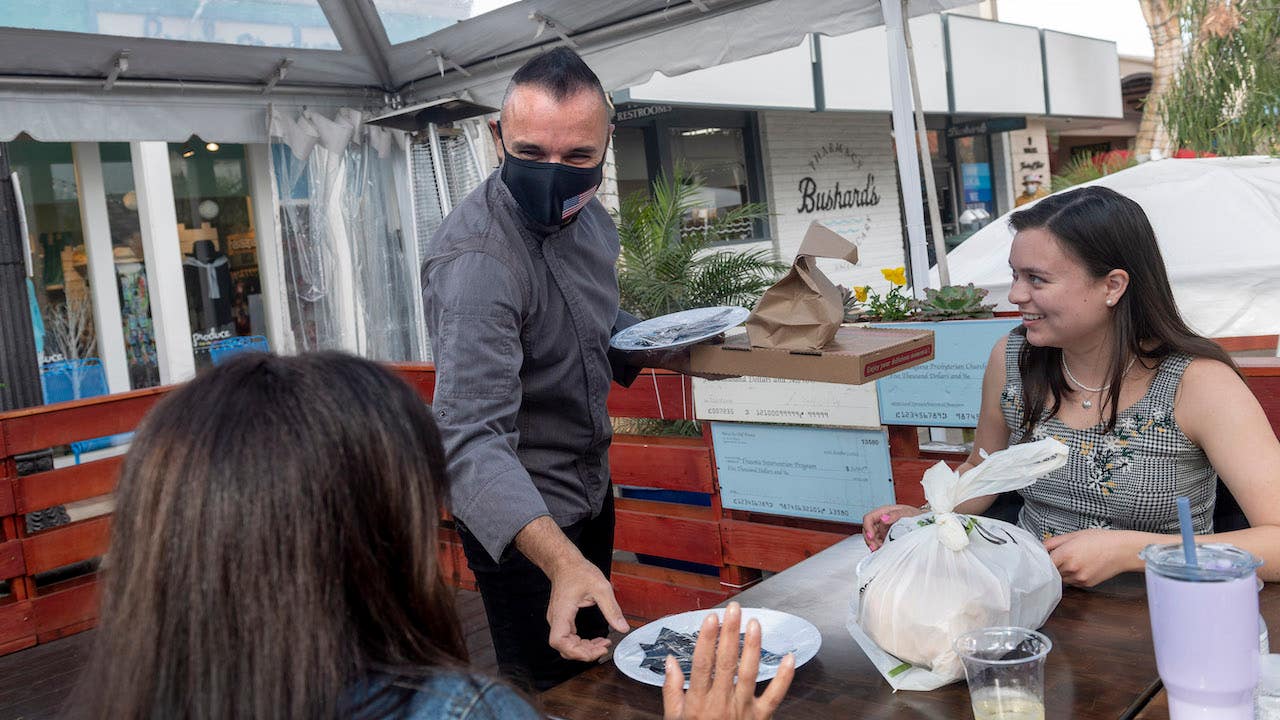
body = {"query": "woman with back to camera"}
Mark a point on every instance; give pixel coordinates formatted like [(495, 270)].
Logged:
[(274, 555), (1149, 409)]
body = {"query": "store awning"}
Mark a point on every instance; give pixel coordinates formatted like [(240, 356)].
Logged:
[(145, 69)]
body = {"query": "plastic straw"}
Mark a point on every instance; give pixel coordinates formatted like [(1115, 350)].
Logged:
[(1188, 536)]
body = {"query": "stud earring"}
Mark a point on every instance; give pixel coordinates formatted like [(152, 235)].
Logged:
[(1109, 303)]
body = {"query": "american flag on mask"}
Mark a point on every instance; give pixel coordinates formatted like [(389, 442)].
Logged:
[(577, 202)]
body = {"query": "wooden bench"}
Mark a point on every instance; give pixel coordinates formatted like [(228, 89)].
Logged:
[(34, 613)]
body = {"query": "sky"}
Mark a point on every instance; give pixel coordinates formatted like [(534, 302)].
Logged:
[(1118, 20)]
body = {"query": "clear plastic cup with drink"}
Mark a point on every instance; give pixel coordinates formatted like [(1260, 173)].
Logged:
[(1204, 624), (1005, 670)]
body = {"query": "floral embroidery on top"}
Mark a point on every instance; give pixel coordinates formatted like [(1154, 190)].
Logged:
[(1114, 477), (1011, 396), (1113, 454)]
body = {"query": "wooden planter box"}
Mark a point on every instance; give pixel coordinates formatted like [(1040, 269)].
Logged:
[(739, 545)]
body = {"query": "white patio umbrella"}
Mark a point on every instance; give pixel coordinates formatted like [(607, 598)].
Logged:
[(1218, 224)]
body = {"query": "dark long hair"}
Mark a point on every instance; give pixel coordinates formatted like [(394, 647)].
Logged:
[(1107, 231), (273, 546)]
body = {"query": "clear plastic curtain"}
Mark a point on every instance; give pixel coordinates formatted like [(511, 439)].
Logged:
[(349, 264)]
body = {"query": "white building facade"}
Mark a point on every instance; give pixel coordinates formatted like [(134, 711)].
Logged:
[(807, 130)]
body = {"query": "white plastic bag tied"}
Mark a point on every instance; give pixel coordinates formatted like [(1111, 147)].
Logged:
[(951, 531), (1003, 471), (943, 574)]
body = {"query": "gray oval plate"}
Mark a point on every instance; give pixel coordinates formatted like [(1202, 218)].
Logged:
[(680, 328)]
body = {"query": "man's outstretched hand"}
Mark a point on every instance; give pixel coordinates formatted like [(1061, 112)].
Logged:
[(575, 584)]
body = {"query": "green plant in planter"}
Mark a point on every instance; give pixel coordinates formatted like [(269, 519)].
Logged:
[(1086, 168), (863, 304), (952, 302), (667, 265)]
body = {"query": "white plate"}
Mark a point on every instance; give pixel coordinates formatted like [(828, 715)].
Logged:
[(780, 633), (678, 329)]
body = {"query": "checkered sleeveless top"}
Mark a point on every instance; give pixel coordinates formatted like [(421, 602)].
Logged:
[(1126, 479)]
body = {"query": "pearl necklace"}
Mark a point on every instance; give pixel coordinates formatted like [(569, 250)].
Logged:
[(1087, 403)]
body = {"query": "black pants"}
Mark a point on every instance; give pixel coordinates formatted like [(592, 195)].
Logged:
[(516, 594)]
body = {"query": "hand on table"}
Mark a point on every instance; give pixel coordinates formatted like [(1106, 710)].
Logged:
[(876, 524), (719, 697), (576, 585), (1088, 557)]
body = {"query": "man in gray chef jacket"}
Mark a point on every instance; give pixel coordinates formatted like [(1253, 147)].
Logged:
[(521, 299)]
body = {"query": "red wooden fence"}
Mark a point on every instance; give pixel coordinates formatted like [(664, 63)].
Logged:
[(739, 544)]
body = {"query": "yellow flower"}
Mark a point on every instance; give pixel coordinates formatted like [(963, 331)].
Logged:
[(897, 276), (860, 292)]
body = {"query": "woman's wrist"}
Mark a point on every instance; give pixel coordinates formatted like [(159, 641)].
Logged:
[(1136, 541)]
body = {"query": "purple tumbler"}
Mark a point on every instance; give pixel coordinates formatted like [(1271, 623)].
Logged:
[(1204, 622)]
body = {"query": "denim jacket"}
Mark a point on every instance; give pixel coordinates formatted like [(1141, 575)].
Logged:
[(452, 696)]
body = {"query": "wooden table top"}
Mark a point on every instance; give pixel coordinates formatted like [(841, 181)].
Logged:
[(1157, 709), (1102, 664)]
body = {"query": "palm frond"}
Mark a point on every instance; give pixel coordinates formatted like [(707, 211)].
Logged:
[(665, 266)]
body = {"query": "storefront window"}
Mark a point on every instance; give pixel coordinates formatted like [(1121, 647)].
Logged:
[(975, 205), (974, 157), (717, 157), (62, 313), (219, 247), (131, 276)]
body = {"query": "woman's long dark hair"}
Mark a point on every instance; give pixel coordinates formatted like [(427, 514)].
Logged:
[(1107, 231), (273, 546)]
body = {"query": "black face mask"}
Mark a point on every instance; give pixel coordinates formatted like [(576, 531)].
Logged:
[(549, 193)]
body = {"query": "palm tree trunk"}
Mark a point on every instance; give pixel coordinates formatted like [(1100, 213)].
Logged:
[(1163, 21)]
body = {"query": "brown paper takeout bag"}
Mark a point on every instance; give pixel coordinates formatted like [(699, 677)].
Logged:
[(804, 309)]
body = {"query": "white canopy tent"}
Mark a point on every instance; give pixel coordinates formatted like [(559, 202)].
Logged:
[(1218, 224), (120, 84), (625, 42)]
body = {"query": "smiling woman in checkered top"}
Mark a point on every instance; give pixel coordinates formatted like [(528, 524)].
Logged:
[(1150, 410)]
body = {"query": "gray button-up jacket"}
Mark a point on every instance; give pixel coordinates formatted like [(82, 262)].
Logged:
[(520, 317)]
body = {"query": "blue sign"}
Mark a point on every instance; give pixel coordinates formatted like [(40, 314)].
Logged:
[(812, 472), (975, 179), (946, 391)]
